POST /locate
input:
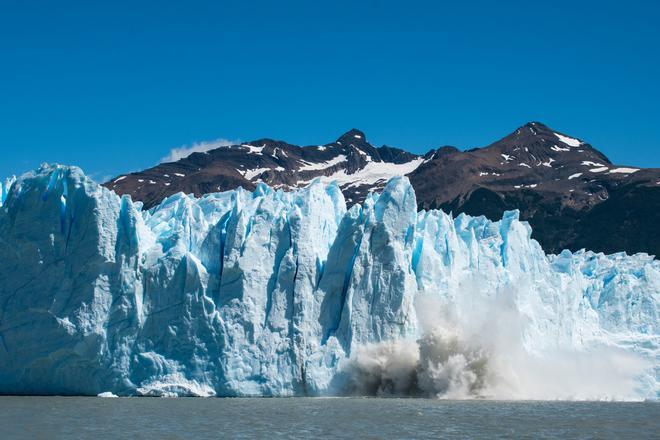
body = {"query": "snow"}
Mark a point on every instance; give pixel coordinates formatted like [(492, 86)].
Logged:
[(572, 142), (254, 149), (119, 179), (574, 176), (598, 170), (372, 173), (548, 163), (179, 175), (366, 156), (589, 163), (321, 148), (524, 165), (357, 136), (308, 166), (624, 170), (252, 173), (506, 157), (272, 293), (559, 149)]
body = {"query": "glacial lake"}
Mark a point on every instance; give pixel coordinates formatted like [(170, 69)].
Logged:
[(197, 418)]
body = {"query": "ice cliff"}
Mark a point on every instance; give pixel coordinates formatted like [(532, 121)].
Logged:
[(274, 293), (4, 188)]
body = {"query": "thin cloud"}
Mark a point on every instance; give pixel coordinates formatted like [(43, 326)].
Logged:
[(198, 147)]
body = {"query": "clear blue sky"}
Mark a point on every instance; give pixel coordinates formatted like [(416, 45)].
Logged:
[(113, 87)]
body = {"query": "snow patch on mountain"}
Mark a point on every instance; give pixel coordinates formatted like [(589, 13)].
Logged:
[(251, 174), (624, 170), (372, 173), (572, 142), (252, 149), (307, 166)]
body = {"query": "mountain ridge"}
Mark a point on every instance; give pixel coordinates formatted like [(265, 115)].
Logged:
[(554, 179)]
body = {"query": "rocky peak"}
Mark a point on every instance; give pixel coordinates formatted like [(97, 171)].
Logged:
[(353, 136)]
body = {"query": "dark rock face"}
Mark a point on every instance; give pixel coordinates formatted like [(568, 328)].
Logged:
[(571, 194)]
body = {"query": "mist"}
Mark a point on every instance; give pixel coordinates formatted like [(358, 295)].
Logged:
[(468, 352)]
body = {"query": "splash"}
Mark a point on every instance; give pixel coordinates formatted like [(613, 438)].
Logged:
[(483, 355)]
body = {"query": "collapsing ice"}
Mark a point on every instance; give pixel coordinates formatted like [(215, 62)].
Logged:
[(273, 293)]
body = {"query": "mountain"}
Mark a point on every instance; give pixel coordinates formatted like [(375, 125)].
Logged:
[(569, 192), (290, 293), (353, 162)]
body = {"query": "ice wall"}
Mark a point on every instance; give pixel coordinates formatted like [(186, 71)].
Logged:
[(273, 293), (4, 188)]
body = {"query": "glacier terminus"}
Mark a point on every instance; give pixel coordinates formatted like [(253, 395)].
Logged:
[(272, 293)]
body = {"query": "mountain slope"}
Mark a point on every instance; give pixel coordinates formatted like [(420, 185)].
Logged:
[(351, 160), (571, 193)]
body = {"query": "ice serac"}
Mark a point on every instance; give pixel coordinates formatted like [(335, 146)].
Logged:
[(4, 188), (275, 293)]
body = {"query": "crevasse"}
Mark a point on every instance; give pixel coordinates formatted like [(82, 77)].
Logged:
[(272, 293)]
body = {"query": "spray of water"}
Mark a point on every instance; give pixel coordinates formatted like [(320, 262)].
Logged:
[(480, 354)]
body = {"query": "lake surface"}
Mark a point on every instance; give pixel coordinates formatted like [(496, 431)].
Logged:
[(158, 418)]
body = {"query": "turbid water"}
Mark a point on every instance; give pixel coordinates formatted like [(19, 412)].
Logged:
[(99, 418)]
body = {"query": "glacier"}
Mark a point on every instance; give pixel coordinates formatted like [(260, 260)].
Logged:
[(4, 188), (272, 293)]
